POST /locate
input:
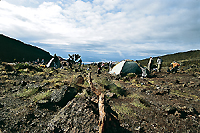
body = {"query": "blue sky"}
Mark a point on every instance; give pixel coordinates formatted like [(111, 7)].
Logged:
[(104, 30)]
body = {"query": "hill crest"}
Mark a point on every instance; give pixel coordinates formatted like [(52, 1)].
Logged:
[(15, 50)]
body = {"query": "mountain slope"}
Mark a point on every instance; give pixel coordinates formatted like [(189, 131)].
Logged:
[(15, 50), (189, 57)]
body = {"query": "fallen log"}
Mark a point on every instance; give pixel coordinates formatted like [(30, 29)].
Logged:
[(96, 91), (102, 114)]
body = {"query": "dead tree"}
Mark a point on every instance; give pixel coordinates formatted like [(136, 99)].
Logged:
[(102, 113)]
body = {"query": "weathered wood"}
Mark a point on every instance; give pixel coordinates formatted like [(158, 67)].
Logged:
[(102, 113), (96, 91)]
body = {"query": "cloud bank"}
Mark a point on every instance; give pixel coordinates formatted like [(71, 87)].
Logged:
[(104, 29)]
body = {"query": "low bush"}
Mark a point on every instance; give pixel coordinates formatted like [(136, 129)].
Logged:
[(42, 96), (26, 65), (27, 92), (115, 89)]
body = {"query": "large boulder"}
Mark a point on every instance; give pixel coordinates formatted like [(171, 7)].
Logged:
[(61, 96), (82, 115), (77, 116)]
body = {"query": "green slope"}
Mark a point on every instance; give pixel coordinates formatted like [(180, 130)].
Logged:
[(186, 58)]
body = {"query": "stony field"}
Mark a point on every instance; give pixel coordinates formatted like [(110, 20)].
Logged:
[(34, 99)]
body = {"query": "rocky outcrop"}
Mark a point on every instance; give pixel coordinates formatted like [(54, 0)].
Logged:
[(61, 96), (79, 115)]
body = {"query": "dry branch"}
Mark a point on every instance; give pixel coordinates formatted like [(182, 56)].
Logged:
[(96, 91), (102, 114)]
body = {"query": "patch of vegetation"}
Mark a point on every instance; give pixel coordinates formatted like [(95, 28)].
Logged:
[(85, 84), (131, 75), (138, 101), (84, 93), (109, 85), (54, 80), (189, 57), (183, 94), (42, 96), (22, 66), (138, 104), (8, 67), (58, 84), (123, 111), (115, 89), (27, 92), (134, 96), (104, 81)]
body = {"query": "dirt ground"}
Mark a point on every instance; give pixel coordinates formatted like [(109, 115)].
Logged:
[(166, 102)]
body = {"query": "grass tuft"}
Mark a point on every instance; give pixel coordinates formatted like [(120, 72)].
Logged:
[(42, 96), (27, 92)]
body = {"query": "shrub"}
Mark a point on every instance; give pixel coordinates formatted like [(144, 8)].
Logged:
[(131, 75), (9, 68), (115, 89), (28, 92), (42, 96), (26, 65)]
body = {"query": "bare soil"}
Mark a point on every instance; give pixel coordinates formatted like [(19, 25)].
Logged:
[(166, 102)]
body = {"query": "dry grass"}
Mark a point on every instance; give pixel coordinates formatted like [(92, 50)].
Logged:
[(42, 96), (27, 92)]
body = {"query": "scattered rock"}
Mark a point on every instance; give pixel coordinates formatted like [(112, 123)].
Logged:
[(110, 94), (177, 81), (161, 92), (79, 80), (1, 105), (23, 83), (145, 102), (63, 95)]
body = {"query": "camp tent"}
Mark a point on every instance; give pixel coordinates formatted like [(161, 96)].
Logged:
[(125, 67), (54, 62)]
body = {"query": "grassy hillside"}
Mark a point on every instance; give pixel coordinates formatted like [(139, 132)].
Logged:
[(186, 58), (14, 50)]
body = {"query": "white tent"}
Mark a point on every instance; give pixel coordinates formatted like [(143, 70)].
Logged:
[(54, 63), (49, 63), (125, 67)]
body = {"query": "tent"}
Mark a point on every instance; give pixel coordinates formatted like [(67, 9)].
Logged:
[(54, 62), (125, 67)]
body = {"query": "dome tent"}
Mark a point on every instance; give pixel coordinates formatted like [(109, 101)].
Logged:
[(54, 62), (125, 67)]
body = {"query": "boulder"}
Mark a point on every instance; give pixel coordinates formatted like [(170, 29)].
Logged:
[(82, 115), (61, 96), (79, 80), (76, 116), (23, 83), (110, 94)]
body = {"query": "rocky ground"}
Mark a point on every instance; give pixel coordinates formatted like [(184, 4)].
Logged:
[(34, 99)]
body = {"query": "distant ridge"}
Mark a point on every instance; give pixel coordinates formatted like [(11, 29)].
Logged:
[(14, 50), (191, 57)]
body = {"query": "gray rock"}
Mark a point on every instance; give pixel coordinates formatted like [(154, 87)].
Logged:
[(79, 80), (110, 94), (61, 96)]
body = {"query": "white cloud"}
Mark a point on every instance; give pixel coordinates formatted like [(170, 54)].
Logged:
[(119, 26)]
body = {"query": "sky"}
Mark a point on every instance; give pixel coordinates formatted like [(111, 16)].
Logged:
[(104, 30)]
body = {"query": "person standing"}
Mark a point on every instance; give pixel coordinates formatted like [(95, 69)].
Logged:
[(99, 68), (150, 64), (159, 62)]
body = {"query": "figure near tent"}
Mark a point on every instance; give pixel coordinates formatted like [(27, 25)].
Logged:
[(159, 63), (150, 64)]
